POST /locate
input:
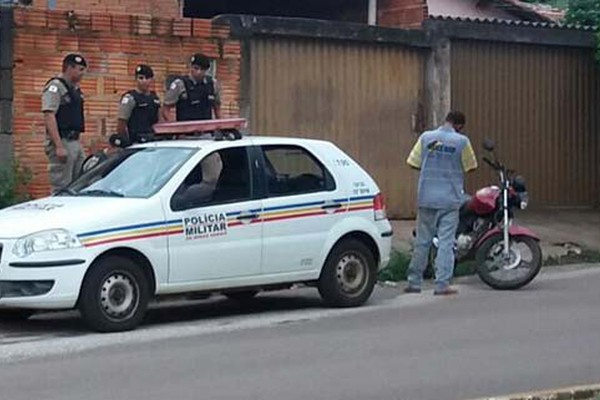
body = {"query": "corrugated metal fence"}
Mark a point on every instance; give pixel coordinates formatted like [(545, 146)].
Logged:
[(541, 103), (542, 106), (363, 97)]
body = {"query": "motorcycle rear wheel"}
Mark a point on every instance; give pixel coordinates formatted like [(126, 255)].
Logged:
[(521, 268)]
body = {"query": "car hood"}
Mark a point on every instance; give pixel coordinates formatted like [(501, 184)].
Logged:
[(76, 214)]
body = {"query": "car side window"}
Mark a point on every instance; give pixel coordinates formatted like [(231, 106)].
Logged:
[(293, 170), (221, 177)]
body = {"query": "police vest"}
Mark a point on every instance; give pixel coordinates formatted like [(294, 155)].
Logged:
[(143, 116), (199, 102), (69, 116)]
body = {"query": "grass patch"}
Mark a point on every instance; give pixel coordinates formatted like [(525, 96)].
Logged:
[(397, 268), (586, 256)]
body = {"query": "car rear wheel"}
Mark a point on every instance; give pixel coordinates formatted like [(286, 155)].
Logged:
[(349, 275), (114, 296)]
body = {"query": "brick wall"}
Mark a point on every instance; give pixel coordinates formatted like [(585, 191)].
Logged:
[(113, 45), (408, 14), (158, 8)]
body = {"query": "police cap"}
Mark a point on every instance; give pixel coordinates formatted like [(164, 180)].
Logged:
[(144, 70), (75, 59), (200, 60)]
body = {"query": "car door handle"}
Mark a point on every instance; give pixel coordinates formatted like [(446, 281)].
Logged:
[(242, 217), (331, 206)]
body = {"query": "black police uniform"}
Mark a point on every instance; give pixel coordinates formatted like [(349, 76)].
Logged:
[(200, 99), (143, 116), (69, 117)]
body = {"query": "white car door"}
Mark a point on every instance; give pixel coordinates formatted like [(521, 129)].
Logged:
[(302, 204), (222, 232)]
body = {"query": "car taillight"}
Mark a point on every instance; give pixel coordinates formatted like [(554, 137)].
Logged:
[(379, 207)]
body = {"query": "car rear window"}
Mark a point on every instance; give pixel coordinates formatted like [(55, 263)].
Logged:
[(294, 170)]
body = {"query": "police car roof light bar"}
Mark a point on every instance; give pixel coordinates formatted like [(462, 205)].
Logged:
[(201, 126)]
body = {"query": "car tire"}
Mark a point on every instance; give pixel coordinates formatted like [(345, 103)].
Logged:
[(114, 296), (349, 274)]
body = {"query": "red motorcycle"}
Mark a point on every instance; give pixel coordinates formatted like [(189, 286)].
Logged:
[(508, 256)]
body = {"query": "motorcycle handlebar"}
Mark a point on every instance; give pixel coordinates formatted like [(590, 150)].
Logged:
[(497, 166), (490, 163)]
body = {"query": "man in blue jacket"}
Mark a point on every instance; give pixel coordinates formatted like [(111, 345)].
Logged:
[(442, 156)]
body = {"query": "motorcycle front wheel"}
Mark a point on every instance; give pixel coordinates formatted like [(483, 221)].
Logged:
[(513, 272)]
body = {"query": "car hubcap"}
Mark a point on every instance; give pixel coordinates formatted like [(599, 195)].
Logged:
[(119, 296), (351, 273)]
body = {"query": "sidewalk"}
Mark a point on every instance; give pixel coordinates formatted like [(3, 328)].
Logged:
[(575, 393), (555, 227)]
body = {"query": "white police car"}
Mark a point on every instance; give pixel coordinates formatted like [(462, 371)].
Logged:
[(196, 215)]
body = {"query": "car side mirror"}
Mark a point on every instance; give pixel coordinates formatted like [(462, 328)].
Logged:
[(489, 145)]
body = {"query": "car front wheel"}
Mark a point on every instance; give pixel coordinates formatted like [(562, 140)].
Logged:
[(114, 296)]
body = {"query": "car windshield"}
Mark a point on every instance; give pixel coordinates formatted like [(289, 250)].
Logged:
[(130, 173)]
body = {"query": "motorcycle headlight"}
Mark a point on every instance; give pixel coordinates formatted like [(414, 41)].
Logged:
[(56, 239), (524, 201)]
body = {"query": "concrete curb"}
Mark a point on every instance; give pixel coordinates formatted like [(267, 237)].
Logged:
[(590, 392)]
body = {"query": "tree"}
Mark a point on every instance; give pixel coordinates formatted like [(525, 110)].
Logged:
[(579, 12), (586, 13), (554, 3), (583, 12)]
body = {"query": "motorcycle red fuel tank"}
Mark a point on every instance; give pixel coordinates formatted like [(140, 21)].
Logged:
[(484, 201)]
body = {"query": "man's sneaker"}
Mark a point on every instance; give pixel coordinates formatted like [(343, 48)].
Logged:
[(447, 291), (411, 289)]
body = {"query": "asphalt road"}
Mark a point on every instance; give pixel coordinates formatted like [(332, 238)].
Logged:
[(287, 346)]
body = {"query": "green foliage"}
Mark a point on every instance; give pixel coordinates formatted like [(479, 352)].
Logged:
[(554, 3), (397, 268), (585, 13), (579, 12), (12, 185)]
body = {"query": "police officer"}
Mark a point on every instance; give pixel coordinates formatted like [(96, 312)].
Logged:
[(139, 109), (195, 96), (62, 105)]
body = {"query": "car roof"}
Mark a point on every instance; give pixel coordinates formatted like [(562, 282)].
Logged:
[(200, 142)]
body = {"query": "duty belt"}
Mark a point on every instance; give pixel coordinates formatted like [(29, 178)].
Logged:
[(70, 135)]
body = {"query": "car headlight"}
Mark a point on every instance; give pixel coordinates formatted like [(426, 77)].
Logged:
[(56, 239)]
